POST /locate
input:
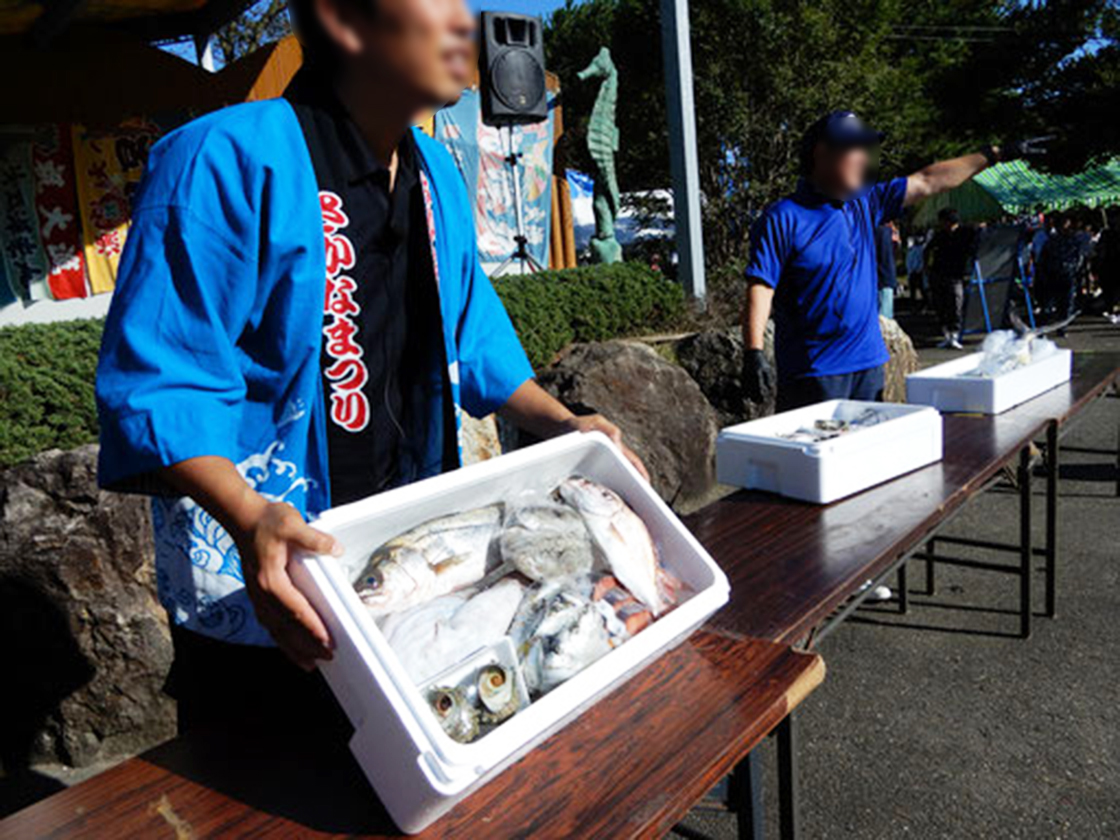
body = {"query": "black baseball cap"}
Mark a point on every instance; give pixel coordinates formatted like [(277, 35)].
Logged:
[(842, 130)]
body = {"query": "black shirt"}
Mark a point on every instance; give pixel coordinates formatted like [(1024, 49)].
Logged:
[(380, 296), (950, 252)]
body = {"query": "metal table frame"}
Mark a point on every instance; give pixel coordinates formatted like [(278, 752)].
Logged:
[(745, 787)]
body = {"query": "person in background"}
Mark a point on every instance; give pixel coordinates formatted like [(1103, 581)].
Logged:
[(1040, 232), (886, 240), (949, 258), (1063, 262), (813, 264), (1108, 265), (917, 280), (299, 321)]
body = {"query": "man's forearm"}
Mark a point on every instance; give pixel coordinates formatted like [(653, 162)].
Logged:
[(756, 313), (944, 175), (218, 487), (536, 411)]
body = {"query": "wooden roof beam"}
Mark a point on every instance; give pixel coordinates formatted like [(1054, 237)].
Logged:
[(210, 18), (57, 15)]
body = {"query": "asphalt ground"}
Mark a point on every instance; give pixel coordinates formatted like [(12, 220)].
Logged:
[(943, 724), (940, 723)]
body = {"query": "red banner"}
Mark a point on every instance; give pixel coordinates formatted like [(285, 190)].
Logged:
[(56, 204)]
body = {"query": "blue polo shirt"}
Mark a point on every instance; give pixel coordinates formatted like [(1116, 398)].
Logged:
[(819, 256)]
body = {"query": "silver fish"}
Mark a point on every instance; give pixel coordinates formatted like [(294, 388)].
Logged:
[(431, 560), (547, 542), (622, 538), (458, 718), (558, 632)]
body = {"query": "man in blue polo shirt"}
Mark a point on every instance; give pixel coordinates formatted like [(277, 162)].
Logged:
[(813, 265)]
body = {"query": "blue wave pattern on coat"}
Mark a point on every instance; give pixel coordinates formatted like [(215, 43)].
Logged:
[(212, 342)]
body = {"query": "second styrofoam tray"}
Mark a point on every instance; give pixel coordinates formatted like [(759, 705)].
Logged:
[(944, 388), (754, 456), (417, 770)]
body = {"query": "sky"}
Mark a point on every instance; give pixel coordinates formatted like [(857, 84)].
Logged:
[(186, 51), (524, 7)]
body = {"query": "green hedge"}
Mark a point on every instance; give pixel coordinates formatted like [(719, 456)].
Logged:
[(47, 370), (46, 387), (552, 309)]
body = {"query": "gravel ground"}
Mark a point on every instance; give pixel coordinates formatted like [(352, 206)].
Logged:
[(941, 724)]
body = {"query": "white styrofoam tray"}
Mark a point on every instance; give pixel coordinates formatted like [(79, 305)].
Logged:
[(943, 387), (417, 770), (752, 454)]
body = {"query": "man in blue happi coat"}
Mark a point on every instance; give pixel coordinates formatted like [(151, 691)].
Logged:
[(300, 320)]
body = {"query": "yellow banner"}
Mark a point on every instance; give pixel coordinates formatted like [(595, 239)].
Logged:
[(108, 165)]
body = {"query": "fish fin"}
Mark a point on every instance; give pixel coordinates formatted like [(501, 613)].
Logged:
[(450, 563), (494, 575)]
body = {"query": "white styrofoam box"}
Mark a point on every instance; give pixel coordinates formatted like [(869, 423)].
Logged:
[(943, 386), (752, 454), (417, 770)]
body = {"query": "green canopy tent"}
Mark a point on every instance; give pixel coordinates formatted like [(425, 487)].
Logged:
[(1015, 187)]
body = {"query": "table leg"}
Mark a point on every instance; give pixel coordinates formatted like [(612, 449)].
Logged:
[(1025, 553), (788, 796), (903, 590), (930, 582), (1052, 462), (745, 795)]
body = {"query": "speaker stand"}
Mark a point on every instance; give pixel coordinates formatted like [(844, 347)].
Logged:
[(521, 252)]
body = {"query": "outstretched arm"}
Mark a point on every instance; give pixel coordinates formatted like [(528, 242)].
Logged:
[(946, 174)]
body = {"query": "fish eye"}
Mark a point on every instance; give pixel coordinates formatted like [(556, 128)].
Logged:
[(444, 703)]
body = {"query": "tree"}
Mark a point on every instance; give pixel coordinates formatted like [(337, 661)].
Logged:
[(940, 78), (261, 23), (764, 70)]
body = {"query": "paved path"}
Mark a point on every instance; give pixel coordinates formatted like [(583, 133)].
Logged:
[(941, 727)]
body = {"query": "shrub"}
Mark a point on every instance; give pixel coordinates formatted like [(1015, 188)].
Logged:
[(46, 387), (552, 309), (47, 370)]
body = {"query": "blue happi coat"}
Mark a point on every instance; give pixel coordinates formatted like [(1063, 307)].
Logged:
[(212, 343)]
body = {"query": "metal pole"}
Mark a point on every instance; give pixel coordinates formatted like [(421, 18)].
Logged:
[(745, 789), (1026, 554), (676, 52), (931, 550), (1053, 464), (788, 794), (520, 237)]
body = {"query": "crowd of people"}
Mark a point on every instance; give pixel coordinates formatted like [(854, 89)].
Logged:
[(1069, 261)]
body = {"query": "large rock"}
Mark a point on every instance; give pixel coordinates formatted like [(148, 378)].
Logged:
[(714, 358), (662, 412), (903, 361), (85, 641)]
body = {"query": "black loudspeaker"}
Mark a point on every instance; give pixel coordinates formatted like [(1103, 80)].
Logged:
[(511, 69)]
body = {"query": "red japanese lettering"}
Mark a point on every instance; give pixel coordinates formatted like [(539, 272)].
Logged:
[(350, 409)]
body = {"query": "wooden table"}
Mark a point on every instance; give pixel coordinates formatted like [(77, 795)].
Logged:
[(631, 766), (792, 564)]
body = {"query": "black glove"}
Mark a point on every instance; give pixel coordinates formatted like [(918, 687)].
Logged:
[(1032, 147), (758, 376)]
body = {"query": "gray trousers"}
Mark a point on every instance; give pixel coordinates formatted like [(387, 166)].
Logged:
[(948, 299)]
